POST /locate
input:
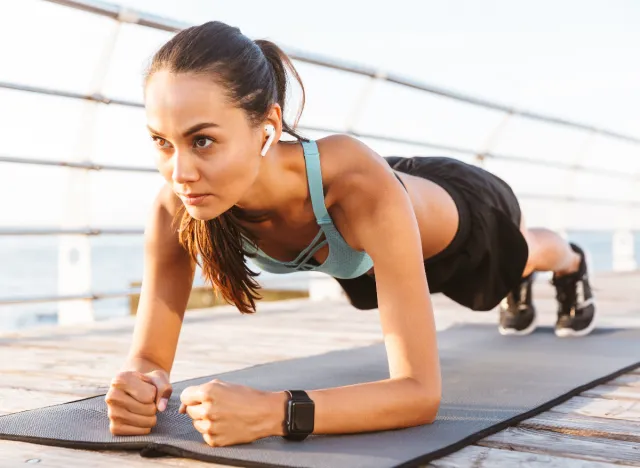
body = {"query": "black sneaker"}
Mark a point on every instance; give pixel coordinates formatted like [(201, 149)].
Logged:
[(517, 313), (576, 308)]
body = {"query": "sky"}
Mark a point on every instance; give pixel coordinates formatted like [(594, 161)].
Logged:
[(570, 59)]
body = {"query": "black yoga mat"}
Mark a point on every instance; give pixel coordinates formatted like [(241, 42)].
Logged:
[(490, 382)]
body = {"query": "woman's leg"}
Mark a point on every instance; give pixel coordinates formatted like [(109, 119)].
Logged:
[(548, 251)]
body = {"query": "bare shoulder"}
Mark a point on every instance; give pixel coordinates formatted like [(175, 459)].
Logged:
[(167, 200), (360, 188), (344, 151), (350, 165), (161, 232)]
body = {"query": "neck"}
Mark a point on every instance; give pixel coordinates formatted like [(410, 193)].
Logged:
[(273, 187)]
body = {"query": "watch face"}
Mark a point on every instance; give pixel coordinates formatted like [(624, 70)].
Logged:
[(301, 416)]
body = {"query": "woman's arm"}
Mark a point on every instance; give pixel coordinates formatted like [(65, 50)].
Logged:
[(379, 214), (166, 285)]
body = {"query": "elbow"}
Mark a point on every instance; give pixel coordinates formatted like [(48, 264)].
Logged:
[(428, 403), (429, 408)]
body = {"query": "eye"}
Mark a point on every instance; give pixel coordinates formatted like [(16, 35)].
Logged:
[(160, 142), (202, 142)]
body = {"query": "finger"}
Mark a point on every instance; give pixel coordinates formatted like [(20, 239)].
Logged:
[(124, 429), (204, 426), (183, 408), (117, 397), (160, 380), (200, 411), (120, 415), (211, 440), (136, 385), (193, 395)]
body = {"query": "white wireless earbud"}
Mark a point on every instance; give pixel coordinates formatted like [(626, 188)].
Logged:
[(271, 133)]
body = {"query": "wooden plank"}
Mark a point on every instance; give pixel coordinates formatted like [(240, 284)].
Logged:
[(25, 454), (256, 345), (586, 426), (53, 383), (82, 386), (96, 364), (75, 359), (486, 457), (13, 400), (564, 445), (102, 367), (613, 392), (334, 315), (73, 363), (229, 339), (318, 332), (601, 408), (114, 346), (631, 380)]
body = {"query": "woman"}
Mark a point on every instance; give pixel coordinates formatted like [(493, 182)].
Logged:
[(390, 230)]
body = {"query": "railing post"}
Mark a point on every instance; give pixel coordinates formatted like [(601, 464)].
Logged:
[(623, 241), (74, 254), (481, 155), (624, 258), (361, 102)]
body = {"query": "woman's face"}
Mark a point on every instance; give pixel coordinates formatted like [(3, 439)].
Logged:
[(205, 146)]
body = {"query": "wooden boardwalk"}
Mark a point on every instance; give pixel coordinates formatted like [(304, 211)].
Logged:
[(40, 367)]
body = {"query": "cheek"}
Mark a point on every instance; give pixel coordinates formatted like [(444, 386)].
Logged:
[(233, 171), (163, 164)]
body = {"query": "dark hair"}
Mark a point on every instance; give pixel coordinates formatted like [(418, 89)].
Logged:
[(255, 77)]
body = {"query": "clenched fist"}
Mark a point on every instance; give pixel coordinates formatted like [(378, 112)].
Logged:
[(133, 400), (229, 414)]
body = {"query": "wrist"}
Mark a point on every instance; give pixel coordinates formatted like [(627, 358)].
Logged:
[(142, 365), (277, 404)]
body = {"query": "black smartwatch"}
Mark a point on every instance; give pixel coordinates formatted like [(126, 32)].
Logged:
[(299, 416)]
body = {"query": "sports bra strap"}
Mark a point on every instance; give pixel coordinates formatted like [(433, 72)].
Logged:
[(314, 177)]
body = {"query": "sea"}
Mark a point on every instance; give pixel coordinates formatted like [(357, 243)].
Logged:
[(29, 267)]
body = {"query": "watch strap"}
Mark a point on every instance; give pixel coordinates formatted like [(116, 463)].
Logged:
[(295, 396), (298, 395)]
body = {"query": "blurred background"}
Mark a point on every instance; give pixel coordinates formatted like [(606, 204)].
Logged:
[(543, 94)]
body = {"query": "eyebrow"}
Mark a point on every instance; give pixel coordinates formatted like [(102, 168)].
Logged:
[(190, 130)]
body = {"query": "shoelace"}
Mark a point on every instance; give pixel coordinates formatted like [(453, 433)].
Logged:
[(567, 293), (519, 297)]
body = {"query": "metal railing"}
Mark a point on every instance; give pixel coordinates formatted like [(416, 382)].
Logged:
[(125, 15), (67, 297), (408, 141), (51, 231), (418, 143)]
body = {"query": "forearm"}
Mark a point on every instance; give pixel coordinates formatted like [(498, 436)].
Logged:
[(141, 364), (372, 406)]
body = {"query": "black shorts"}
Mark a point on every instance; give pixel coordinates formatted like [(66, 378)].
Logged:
[(488, 254)]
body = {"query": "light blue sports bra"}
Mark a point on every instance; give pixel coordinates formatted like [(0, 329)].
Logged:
[(342, 261)]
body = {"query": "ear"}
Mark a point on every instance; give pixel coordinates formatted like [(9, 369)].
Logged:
[(271, 128), (274, 118), (271, 135)]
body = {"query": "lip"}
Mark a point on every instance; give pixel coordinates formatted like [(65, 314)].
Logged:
[(193, 199)]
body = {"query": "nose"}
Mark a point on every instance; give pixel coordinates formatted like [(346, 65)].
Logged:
[(185, 169)]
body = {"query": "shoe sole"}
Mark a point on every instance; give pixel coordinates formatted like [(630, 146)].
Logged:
[(570, 333), (513, 332)]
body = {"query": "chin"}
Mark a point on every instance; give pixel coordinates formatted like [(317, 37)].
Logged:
[(202, 213)]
